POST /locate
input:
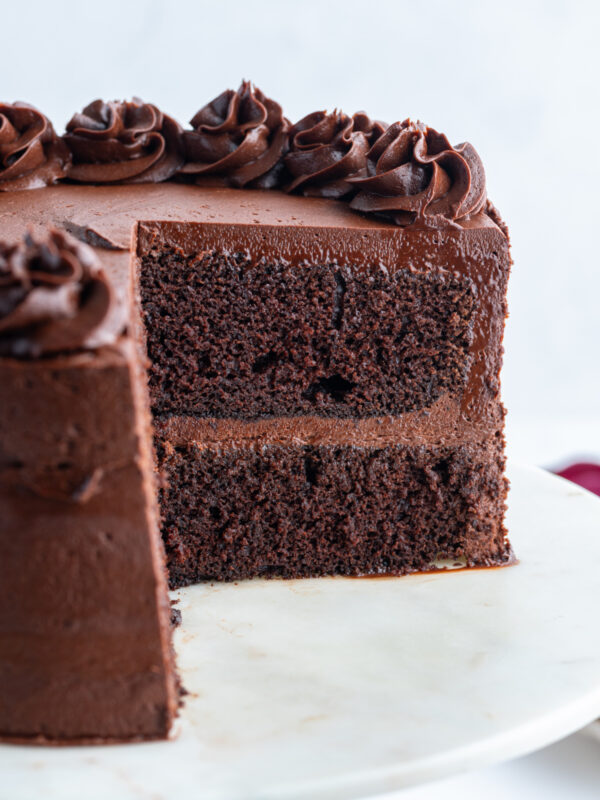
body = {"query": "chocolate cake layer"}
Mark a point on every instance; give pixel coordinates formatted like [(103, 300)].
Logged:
[(253, 508), (373, 284), (85, 622), (271, 227), (230, 337)]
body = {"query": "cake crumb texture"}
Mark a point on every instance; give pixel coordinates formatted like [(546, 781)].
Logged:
[(228, 337), (299, 511)]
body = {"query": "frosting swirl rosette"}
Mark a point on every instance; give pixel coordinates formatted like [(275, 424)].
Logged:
[(123, 142), (54, 297), (415, 174), (31, 154), (240, 136), (328, 149)]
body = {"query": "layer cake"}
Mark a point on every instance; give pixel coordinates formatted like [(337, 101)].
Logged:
[(299, 376)]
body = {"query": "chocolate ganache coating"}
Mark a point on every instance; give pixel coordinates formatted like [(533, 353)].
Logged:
[(54, 297), (414, 174), (31, 154), (123, 142), (240, 136), (328, 149)]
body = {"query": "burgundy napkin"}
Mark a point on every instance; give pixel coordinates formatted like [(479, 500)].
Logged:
[(585, 474)]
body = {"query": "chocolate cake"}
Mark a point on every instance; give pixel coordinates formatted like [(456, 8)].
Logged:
[(277, 345)]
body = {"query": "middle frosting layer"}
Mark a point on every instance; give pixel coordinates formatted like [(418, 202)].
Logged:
[(442, 423)]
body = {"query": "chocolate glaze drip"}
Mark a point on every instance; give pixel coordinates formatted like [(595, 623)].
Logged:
[(31, 154), (328, 149), (414, 174), (54, 297), (240, 136), (123, 142)]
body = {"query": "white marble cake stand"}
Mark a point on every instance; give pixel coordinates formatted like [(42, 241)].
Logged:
[(337, 688)]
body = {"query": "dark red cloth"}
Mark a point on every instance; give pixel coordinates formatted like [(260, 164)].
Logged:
[(585, 474)]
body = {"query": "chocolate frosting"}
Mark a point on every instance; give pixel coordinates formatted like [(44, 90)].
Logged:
[(240, 136), (328, 149), (123, 142), (414, 174), (406, 173), (54, 297), (31, 154)]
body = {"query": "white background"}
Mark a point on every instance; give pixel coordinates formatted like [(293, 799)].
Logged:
[(517, 79)]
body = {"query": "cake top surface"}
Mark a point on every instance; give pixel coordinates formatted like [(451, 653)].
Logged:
[(406, 173), (105, 215)]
